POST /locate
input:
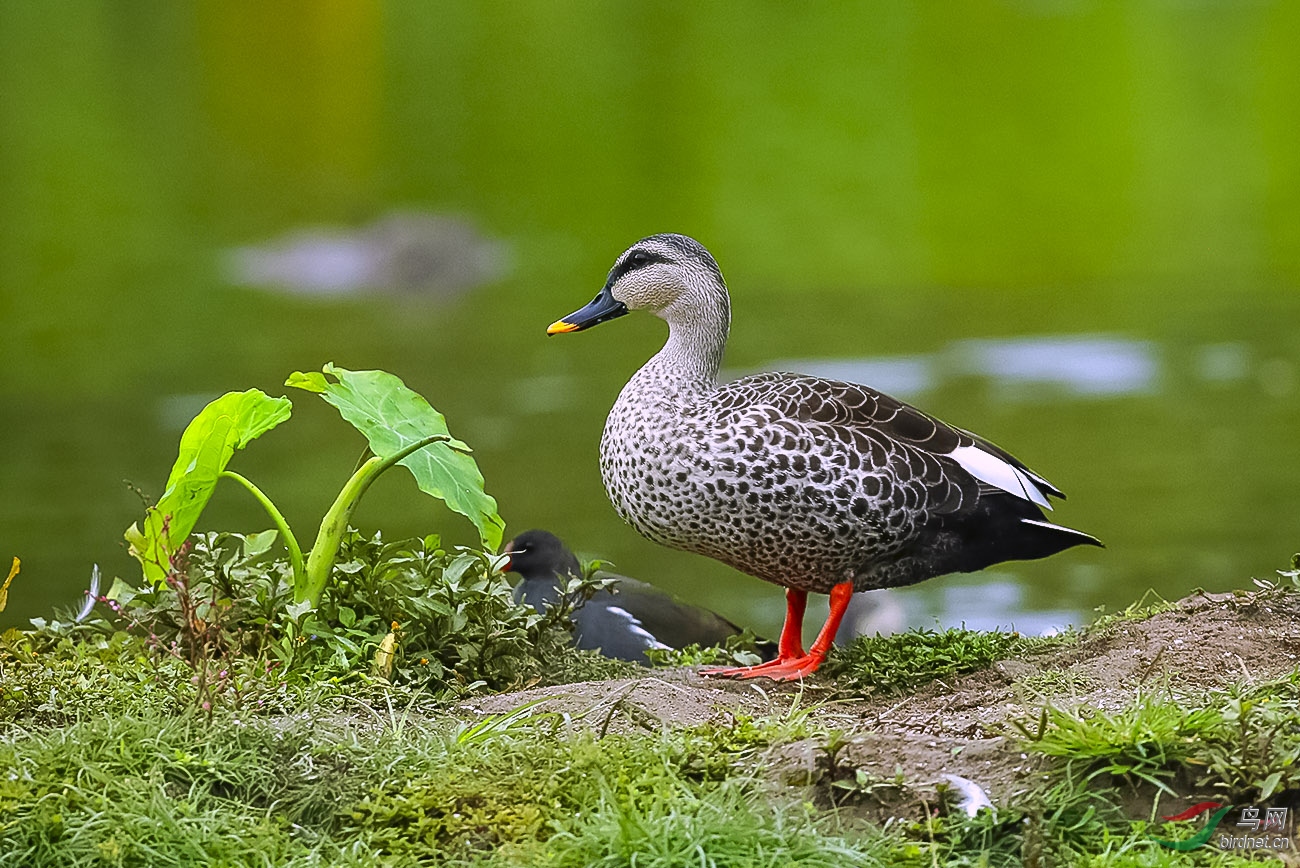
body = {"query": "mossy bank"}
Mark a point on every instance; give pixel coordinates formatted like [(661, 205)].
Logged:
[(1080, 742)]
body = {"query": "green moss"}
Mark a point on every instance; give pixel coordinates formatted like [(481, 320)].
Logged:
[(1056, 682), (456, 818), (55, 680), (904, 661)]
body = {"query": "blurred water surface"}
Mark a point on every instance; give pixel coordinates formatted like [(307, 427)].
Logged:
[(1072, 227)]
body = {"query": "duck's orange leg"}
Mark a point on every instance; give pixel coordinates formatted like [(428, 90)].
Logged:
[(789, 648), (791, 661)]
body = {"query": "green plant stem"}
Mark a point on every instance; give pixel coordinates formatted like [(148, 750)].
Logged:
[(290, 541), (320, 560)]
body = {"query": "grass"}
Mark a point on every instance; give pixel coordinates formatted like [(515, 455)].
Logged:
[(162, 790), (107, 759), (406, 784), (1150, 605), (1057, 682), (905, 661), (167, 790), (1242, 743), (242, 788), (1147, 740)]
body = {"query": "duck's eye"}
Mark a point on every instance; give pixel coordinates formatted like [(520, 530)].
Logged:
[(640, 258)]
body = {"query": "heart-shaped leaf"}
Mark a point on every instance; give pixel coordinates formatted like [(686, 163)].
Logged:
[(391, 417)]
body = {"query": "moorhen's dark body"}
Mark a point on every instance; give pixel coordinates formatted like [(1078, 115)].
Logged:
[(624, 621)]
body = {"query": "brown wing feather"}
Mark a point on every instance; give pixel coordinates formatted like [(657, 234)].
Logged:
[(910, 435), (907, 424), (882, 435)]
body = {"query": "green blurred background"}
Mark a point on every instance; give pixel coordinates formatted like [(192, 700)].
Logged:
[(1073, 227)]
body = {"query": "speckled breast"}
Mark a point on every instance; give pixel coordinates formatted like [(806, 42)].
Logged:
[(725, 486)]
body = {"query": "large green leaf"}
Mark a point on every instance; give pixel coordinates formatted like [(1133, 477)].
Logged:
[(227, 424), (391, 417)]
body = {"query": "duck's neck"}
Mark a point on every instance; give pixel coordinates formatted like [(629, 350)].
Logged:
[(689, 361)]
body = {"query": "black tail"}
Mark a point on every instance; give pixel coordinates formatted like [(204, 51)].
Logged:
[(1007, 528), (1001, 527), (1048, 538)]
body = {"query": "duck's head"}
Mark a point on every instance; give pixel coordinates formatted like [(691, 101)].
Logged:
[(668, 275), (539, 554)]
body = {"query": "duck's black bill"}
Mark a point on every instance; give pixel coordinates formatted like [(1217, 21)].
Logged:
[(603, 308)]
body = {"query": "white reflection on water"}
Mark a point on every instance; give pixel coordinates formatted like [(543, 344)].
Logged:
[(995, 603), (1086, 366), (894, 375), (998, 604)]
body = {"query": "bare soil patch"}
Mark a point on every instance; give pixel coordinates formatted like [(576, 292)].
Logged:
[(962, 726)]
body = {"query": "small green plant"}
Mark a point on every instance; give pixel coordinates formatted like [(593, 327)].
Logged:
[(1287, 580), (1255, 750), (740, 649), (1242, 742), (445, 619), (1146, 740), (1150, 605), (221, 635), (400, 427), (1056, 682), (875, 664), (502, 725)]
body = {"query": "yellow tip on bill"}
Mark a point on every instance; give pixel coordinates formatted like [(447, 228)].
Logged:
[(560, 327)]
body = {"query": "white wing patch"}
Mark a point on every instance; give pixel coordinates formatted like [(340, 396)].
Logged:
[(987, 467), (635, 628)]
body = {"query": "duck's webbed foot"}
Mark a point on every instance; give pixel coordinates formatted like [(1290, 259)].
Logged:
[(792, 662), (780, 669)]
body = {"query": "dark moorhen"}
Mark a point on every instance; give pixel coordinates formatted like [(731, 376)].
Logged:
[(623, 622)]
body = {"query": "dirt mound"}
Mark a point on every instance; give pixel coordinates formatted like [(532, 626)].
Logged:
[(963, 726)]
